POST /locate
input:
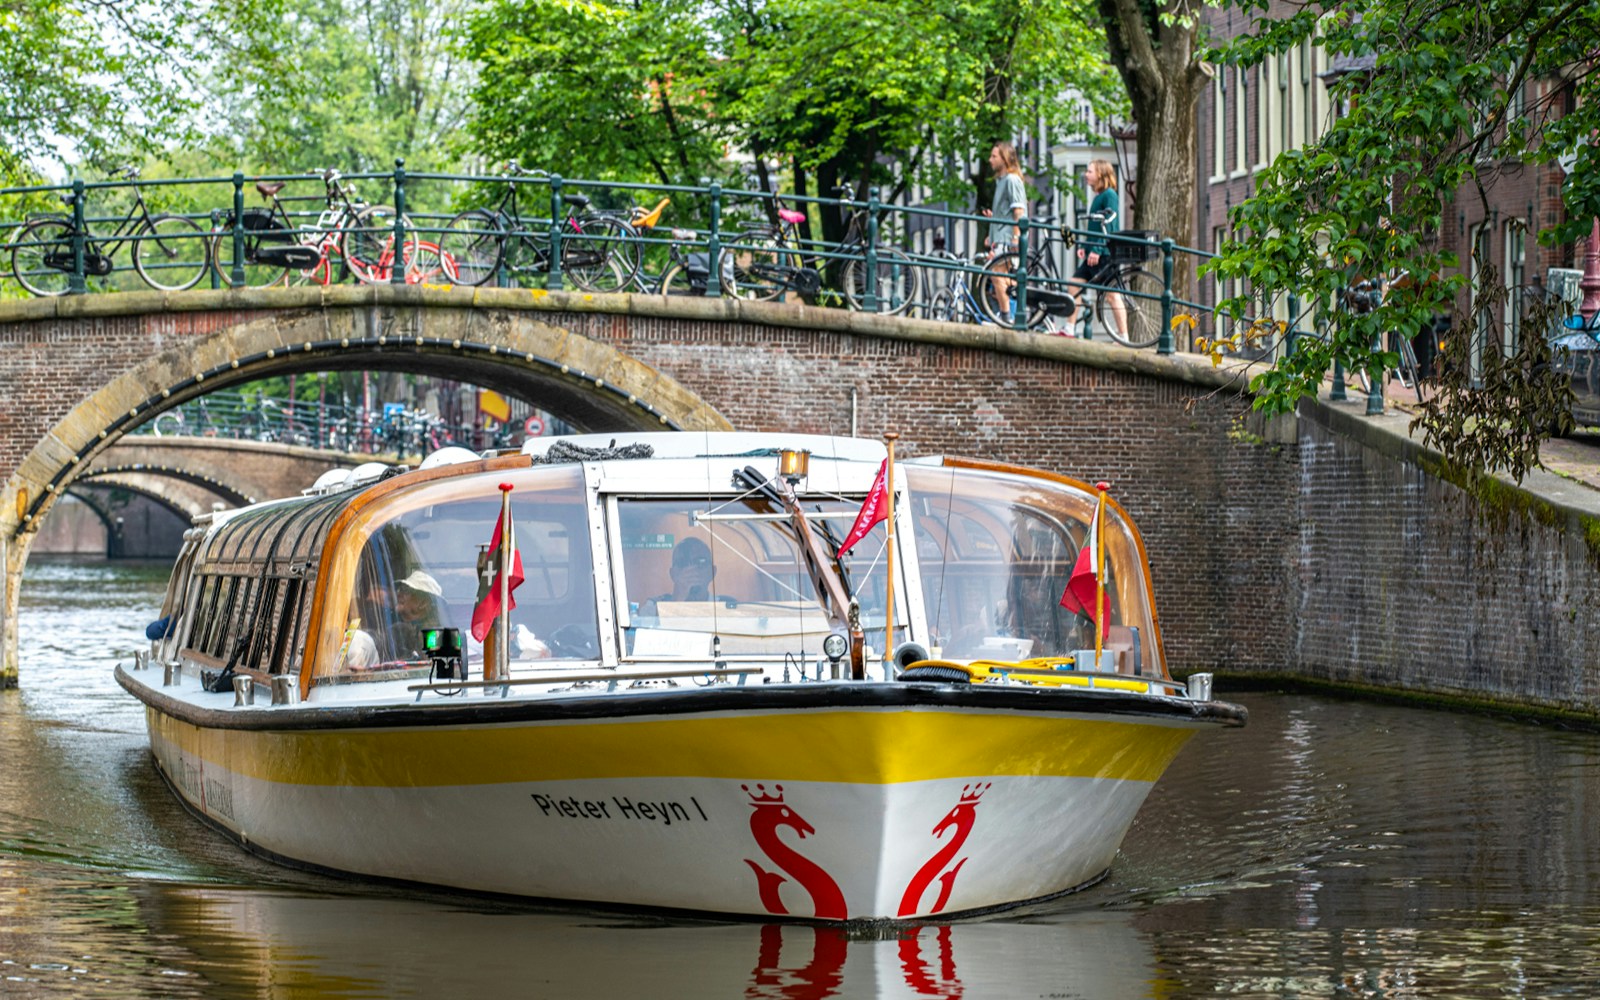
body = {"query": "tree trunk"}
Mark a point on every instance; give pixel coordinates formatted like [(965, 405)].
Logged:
[(1164, 82)]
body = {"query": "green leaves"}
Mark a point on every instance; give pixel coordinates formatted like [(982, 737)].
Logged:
[(1446, 108), (670, 90)]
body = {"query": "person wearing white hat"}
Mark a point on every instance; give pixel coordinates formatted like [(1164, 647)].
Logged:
[(418, 605)]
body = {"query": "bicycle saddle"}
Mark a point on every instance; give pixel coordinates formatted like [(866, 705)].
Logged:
[(578, 201), (269, 189), (683, 234), (790, 216), (647, 220)]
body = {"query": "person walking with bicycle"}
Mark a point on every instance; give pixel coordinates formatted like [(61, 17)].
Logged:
[(1010, 201), (1095, 265)]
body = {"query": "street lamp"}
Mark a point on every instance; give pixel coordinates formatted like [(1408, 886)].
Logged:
[(1125, 140)]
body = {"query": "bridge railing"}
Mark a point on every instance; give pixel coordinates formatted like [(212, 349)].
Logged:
[(518, 228)]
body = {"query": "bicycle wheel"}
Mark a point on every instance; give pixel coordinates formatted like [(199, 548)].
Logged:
[(1002, 270), (762, 267), (368, 244), (172, 253), (472, 246), (42, 258), (255, 275), (898, 282), (1139, 294), (676, 280), (1410, 371), (601, 254)]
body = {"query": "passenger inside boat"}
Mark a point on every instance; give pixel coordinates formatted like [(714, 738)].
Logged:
[(763, 603), (420, 568), (691, 574)]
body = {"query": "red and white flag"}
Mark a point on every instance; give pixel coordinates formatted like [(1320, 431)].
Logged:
[(1084, 583), (488, 606), (873, 509)]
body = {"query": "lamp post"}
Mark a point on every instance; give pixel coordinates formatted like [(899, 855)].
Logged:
[(1589, 307), (1125, 140)]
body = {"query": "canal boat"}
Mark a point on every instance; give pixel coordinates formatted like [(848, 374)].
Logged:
[(763, 675)]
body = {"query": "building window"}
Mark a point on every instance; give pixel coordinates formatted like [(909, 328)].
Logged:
[(1266, 105), (1285, 96), (1221, 288), (1219, 127), (1481, 236), (1241, 156), (1516, 270), (1308, 83)]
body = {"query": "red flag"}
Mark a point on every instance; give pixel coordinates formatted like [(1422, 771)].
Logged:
[(1082, 584), (488, 606), (873, 509)]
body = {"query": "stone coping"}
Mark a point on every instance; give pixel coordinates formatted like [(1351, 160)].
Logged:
[(1189, 369)]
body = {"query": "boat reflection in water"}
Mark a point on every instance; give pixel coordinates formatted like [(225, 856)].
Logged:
[(250, 942)]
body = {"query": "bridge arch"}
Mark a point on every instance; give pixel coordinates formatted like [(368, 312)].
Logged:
[(213, 340)]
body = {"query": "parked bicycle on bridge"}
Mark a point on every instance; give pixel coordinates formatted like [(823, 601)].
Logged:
[(1127, 302), (599, 250), (350, 238), (169, 251)]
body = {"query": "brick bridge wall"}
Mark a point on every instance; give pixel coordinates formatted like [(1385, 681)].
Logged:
[(1255, 529)]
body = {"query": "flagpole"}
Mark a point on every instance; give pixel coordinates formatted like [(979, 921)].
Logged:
[(502, 650), (889, 438), (1099, 576)]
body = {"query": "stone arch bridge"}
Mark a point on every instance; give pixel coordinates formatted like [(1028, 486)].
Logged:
[(1249, 524), (162, 483)]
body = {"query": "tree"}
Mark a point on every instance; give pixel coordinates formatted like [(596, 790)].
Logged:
[(1443, 108), (1154, 45), (55, 101), (830, 92)]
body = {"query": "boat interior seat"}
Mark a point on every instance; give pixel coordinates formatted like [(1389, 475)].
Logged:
[(1123, 641)]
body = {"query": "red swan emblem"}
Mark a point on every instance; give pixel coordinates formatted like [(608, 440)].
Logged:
[(961, 818), (768, 815)]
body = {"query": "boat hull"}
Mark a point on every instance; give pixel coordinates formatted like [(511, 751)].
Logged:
[(835, 812)]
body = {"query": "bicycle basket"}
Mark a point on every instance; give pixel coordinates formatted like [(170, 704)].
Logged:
[(1135, 246)]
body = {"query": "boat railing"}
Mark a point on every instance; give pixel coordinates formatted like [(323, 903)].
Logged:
[(611, 679)]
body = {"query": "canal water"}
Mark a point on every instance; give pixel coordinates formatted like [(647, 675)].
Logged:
[(1330, 849)]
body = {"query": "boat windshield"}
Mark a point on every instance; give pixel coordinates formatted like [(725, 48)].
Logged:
[(419, 569), (996, 550), (737, 574)]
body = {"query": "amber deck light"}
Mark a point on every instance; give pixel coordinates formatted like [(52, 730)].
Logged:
[(794, 465)]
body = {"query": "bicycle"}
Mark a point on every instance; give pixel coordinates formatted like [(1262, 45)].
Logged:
[(767, 265), (1363, 297), (42, 255), (600, 252), (1127, 288), (361, 236), (957, 301), (689, 273)]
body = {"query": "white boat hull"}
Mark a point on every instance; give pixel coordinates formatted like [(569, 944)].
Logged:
[(861, 814)]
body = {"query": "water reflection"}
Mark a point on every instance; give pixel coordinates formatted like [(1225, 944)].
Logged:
[(1331, 848), (247, 942)]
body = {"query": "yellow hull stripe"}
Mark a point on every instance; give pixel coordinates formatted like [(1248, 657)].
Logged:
[(860, 747)]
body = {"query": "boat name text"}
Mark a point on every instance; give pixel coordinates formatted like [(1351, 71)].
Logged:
[(620, 807)]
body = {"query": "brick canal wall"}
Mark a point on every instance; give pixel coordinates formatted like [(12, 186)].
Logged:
[(1320, 545), (1412, 579)]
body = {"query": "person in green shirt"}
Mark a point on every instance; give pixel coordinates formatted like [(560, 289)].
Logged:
[(1094, 255), (1010, 202)]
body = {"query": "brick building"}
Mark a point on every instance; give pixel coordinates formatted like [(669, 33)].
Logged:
[(1249, 116)]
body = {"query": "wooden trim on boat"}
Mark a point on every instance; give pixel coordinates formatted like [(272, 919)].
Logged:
[(692, 701), (330, 543), (983, 465)]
